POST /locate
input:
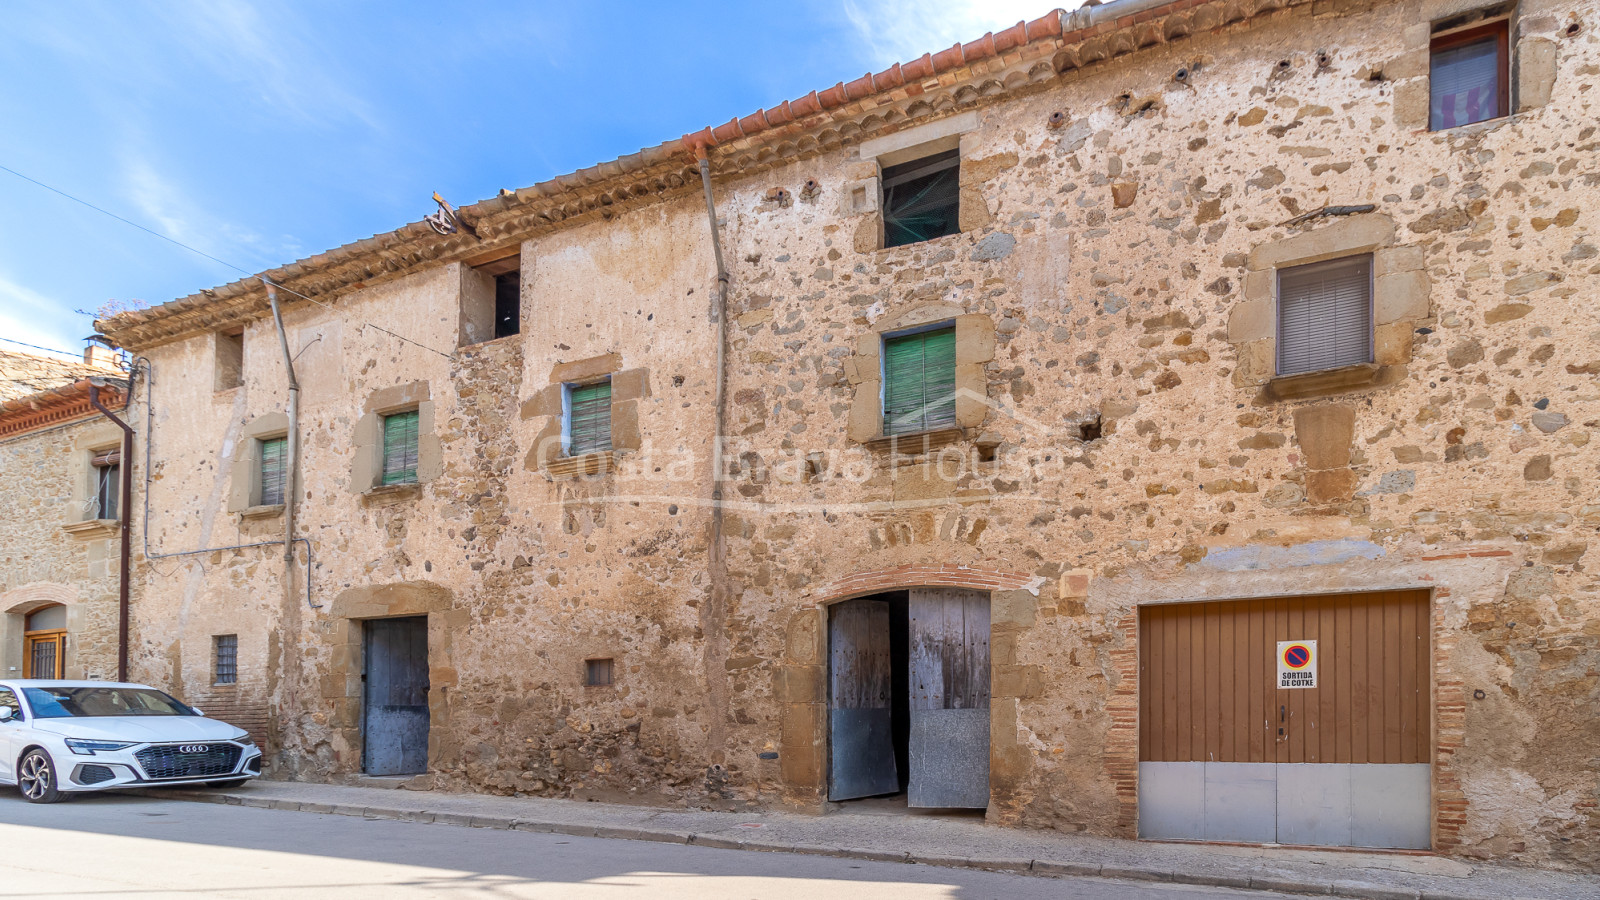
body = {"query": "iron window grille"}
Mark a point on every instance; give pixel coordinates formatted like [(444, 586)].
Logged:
[(227, 647), (597, 672)]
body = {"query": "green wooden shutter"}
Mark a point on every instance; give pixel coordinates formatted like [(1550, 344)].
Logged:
[(919, 382), (274, 460), (589, 419), (400, 448)]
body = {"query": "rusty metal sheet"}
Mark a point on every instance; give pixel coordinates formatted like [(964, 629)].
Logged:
[(861, 742)]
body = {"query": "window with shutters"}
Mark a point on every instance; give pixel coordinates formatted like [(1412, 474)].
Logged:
[(107, 465), (274, 456), (588, 418), (1325, 315), (400, 448), (919, 381), (921, 199), (227, 658), (1469, 76)]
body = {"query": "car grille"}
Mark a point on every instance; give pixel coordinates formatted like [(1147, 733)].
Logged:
[(172, 761), (94, 774)]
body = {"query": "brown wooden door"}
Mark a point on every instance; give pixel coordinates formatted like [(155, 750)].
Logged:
[(949, 658), (1208, 689), (860, 716), (45, 654)]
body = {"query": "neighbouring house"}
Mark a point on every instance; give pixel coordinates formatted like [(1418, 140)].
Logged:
[(60, 477), (1165, 419)]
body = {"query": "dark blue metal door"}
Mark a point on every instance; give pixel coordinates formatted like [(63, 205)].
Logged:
[(395, 707)]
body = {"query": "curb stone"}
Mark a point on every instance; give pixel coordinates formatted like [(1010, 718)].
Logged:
[(1042, 867)]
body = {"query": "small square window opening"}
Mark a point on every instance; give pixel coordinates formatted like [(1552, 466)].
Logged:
[(400, 448), (921, 199), (230, 360), (227, 658), (1325, 315), (1469, 77), (508, 303), (274, 465), (919, 382), (597, 672), (589, 418)]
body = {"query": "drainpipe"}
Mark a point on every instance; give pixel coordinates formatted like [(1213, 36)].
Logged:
[(123, 506), (714, 622), (291, 464)]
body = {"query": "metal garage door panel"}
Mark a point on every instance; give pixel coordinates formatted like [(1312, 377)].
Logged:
[(1391, 806), (1314, 804), (1172, 800), (1241, 802)]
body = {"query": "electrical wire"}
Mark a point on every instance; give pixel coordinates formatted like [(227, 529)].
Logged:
[(246, 272), (36, 346)]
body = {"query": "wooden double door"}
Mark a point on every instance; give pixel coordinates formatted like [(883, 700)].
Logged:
[(908, 676)]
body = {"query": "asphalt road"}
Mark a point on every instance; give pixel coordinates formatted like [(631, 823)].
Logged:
[(112, 846)]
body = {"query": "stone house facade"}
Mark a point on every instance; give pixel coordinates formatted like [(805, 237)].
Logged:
[(58, 539), (1129, 457)]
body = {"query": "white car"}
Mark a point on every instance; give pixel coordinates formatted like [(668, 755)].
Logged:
[(64, 737)]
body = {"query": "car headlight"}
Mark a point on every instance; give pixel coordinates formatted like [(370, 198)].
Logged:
[(244, 739), (88, 748)]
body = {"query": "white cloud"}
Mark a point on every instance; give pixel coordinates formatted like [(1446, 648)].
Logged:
[(901, 30), (33, 318)]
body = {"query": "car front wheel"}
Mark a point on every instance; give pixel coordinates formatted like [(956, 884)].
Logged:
[(36, 777)]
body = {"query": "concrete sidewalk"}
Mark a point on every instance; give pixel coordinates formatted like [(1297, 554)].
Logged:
[(938, 840)]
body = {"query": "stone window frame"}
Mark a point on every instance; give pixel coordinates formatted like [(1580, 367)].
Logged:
[(1400, 299), (629, 388), (1532, 64), (86, 444), (975, 344), (244, 484), (862, 197), (366, 467)]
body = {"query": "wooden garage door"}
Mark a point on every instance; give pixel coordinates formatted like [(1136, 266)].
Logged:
[(1208, 693)]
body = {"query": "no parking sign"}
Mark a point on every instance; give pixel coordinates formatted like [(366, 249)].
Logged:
[(1297, 664)]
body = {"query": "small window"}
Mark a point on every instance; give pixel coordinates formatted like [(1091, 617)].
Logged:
[(589, 418), (227, 647), (597, 672), (1325, 315), (921, 199), (274, 465), (1469, 77), (919, 382), (400, 448), (507, 303), (230, 359), (107, 466)]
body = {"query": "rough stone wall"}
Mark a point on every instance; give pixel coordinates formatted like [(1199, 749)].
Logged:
[(1110, 255), (41, 564)]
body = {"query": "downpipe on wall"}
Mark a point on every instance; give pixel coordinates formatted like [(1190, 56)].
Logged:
[(123, 504), (716, 612), (292, 463)]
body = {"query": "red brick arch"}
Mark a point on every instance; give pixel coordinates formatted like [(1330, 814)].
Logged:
[(930, 575)]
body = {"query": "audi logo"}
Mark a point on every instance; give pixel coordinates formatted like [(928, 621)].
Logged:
[(193, 748)]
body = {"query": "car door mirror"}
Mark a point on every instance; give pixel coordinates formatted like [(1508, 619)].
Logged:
[(6, 713), (197, 711)]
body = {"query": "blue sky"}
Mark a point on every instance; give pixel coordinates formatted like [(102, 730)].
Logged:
[(262, 132)]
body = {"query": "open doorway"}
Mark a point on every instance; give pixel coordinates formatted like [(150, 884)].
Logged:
[(908, 695)]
